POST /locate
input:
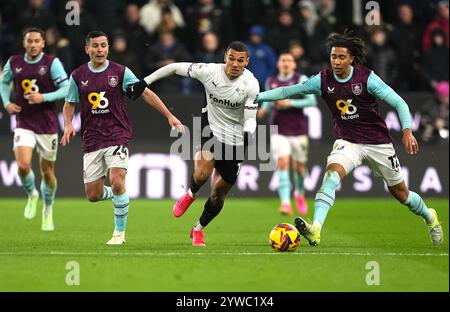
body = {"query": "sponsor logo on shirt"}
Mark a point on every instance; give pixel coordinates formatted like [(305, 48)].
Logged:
[(99, 103), (348, 111), (225, 103), (29, 86)]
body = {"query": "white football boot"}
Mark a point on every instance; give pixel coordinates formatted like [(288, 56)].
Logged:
[(118, 238)]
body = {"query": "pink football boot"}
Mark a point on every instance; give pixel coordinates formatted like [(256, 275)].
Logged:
[(182, 205), (198, 238), (302, 206)]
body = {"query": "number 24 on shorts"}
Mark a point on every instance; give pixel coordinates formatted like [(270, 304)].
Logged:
[(121, 151)]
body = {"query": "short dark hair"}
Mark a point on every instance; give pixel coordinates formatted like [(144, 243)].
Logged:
[(33, 29), (285, 52), (238, 46), (95, 34), (355, 45)]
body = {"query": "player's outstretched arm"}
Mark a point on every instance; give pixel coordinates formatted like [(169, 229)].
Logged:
[(153, 100), (310, 86), (135, 90), (69, 130)]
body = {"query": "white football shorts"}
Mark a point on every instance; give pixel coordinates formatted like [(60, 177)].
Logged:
[(294, 146), (97, 163), (46, 144), (380, 158)]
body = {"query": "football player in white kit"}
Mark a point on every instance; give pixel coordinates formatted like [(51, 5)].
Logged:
[(228, 125)]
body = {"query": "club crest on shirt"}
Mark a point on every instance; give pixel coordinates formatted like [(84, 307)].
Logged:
[(113, 81), (240, 91), (42, 70), (357, 88)]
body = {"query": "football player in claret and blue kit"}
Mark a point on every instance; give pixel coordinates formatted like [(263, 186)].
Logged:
[(351, 91), (99, 88), (39, 80)]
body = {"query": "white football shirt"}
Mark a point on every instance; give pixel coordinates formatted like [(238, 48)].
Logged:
[(226, 100)]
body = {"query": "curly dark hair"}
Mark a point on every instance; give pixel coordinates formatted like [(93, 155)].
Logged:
[(355, 45)]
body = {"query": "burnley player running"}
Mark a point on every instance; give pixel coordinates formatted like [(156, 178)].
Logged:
[(99, 88), (39, 80), (229, 114), (291, 141), (350, 91)]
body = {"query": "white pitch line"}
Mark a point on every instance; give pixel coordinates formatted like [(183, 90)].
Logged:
[(168, 254)]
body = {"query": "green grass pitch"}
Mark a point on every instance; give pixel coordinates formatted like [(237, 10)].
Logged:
[(158, 256)]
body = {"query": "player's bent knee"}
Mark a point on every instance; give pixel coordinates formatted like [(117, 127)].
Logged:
[(118, 188), (300, 168), (92, 197), (118, 184), (202, 176), (283, 163), (23, 168), (48, 174)]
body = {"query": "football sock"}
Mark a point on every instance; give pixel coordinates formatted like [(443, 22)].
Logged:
[(318, 225), (121, 204), (210, 211), (193, 187), (284, 186), (107, 193), (325, 196), (48, 196), (198, 227), (299, 187), (418, 206), (28, 183)]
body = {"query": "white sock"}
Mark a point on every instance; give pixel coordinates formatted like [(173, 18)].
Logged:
[(34, 194), (192, 194), (198, 227), (48, 210)]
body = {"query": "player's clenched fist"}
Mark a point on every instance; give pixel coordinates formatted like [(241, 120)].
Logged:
[(13, 108), (175, 124), (69, 133)]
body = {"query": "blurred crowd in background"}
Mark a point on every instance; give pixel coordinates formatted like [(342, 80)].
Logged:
[(408, 48)]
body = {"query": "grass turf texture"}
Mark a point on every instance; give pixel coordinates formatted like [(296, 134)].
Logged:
[(158, 255)]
